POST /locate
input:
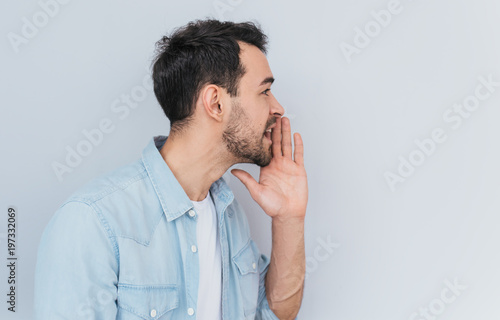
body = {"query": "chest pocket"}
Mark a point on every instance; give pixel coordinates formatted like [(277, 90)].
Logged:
[(247, 262), (147, 301)]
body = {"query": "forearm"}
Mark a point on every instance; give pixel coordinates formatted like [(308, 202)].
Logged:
[(285, 276)]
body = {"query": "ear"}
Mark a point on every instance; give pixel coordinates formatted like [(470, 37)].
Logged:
[(211, 98)]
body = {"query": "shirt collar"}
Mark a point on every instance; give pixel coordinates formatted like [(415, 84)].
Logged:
[(172, 196)]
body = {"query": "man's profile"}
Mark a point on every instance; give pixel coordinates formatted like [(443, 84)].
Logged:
[(164, 237)]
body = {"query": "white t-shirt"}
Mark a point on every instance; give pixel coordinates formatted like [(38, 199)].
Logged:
[(209, 289)]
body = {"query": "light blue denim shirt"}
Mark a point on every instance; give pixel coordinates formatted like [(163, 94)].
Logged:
[(124, 247)]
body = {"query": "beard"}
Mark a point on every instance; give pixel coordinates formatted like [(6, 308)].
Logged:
[(244, 144)]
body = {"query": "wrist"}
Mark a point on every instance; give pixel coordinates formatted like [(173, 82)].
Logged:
[(287, 219)]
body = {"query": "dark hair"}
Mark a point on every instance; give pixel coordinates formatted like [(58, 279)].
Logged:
[(199, 53)]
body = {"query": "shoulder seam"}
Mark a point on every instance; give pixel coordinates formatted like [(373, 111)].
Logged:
[(107, 192)]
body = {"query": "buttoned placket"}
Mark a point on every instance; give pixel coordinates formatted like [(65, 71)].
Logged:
[(186, 226)]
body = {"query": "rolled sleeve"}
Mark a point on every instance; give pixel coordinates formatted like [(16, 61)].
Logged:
[(77, 267)]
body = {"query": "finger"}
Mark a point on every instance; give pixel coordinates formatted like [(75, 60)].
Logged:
[(286, 143), (249, 182), (298, 154), (276, 137)]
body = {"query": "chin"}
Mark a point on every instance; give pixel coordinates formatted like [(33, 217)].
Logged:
[(264, 162)]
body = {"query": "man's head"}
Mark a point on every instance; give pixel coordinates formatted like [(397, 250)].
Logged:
[(221, 68)]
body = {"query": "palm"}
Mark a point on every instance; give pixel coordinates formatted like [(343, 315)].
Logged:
[(282, 188)]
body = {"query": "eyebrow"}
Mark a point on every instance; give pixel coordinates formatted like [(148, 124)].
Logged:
[(266, 81)]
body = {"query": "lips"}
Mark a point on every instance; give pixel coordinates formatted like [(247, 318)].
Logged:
[(271, 127), (268, 135)]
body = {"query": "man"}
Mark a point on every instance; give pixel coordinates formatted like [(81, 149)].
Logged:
[(164, 237)]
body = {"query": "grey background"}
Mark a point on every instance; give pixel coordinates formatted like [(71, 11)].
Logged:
[(394, 249)]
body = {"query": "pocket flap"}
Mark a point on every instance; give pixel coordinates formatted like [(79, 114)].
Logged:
[(247, 259), (148, 301)]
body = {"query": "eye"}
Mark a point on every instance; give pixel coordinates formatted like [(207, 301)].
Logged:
[(266, 91)]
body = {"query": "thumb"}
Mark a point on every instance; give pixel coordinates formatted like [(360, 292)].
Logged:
[(247, 180)]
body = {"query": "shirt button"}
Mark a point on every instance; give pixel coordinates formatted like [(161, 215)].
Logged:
[(254, 265), (153, 313), (192, 213), (193, 248), (190, 311)]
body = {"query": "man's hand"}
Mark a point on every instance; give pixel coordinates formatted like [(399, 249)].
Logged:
[(282, 188), (282, 193)]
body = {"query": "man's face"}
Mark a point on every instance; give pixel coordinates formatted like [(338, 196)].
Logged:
[(253, 111)]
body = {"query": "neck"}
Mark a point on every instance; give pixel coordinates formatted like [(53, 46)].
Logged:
[(197, 161)]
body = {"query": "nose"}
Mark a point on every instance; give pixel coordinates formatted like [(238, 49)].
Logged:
[(276, 109)]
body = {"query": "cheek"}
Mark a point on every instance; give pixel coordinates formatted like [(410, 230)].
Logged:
[(256, 114)]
